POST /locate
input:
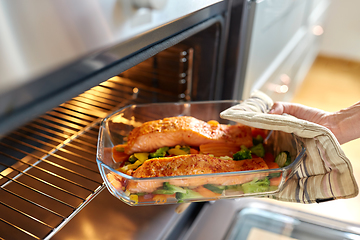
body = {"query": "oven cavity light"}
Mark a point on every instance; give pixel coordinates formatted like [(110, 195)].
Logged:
[(135, 93)]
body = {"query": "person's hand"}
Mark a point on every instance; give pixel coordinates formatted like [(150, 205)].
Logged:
[(344, 124)]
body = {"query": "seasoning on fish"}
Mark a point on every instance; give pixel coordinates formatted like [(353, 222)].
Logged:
[(194, 164), (184, 130)]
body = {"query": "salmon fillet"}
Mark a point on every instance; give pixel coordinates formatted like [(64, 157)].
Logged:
[(184, 130), (194, 164)]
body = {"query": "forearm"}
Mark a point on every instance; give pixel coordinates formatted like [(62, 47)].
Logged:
[(345, 124)]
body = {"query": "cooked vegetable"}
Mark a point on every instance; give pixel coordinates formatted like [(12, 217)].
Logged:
[(234, 190), (258, 150), (132, 159), (185, 149), (141, 156), (128, 167), (138, 156), (206, 192), (193, 151), (215, 188), (256, 186), (236, 187), (258, 139), (159, 198), (283, 159), (119, 156), (161, 152), (169, 189), (219, 149), (244, 153), (187, 195), (273, 165), (274, 175), (177, 151), (163, 191), (135, 198), (275, 181), (173, 188)]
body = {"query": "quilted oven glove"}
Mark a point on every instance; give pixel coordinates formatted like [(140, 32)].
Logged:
[(324, 174)]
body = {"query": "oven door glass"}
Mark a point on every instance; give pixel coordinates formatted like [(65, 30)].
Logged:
[(254, 223)]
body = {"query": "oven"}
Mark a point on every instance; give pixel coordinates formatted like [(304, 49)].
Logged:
[(65, 65)]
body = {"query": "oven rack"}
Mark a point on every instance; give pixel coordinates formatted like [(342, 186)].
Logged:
[(49, 166), (54, 174), (48, 169)]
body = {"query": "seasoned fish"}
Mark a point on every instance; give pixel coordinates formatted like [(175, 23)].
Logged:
[(184, 130), (193, 164)]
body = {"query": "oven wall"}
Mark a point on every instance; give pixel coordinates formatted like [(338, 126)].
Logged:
[(104, 38)]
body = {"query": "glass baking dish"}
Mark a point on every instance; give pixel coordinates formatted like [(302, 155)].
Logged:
[(201, 187)]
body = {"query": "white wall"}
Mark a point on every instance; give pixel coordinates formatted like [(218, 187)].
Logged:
[(342, 31)]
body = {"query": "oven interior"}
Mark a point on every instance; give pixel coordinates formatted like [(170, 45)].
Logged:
[(48, 170)]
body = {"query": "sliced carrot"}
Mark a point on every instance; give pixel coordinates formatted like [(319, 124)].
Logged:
[(206, 192), (272, 165), (193, 151), (160, 198), (275, 181), (219, 149), (119, 156)]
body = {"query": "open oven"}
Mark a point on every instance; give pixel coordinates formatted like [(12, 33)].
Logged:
[(68, 64)]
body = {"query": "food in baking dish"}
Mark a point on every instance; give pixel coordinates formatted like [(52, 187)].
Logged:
[(182, 146), (146, 157)]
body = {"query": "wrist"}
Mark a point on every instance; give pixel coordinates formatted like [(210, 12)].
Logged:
[(345, 124), (333, 124)]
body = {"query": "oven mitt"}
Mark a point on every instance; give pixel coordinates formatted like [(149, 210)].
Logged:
[(324, 174)]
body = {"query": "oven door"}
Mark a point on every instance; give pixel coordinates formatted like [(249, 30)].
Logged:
[(250, 219)]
